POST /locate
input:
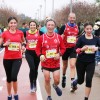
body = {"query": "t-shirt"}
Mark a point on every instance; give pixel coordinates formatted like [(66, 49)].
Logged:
[(13, 51)]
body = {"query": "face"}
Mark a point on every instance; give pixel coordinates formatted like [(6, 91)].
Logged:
[(32, 26), (50, 26), (72, 18), (88, 29), (12, 24)]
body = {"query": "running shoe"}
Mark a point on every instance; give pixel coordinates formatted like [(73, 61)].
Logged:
[(58, 90), (16, 97), (33, 88), (49, 98), (73, 86), (9, 97), (63, 81)]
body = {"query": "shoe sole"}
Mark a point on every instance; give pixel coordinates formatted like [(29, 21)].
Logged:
[(73, 89)]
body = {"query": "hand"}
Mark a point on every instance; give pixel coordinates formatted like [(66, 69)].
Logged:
[(84, 48), (23, 49), (6, 43), (42, 58), (94, 49), (57, 56)]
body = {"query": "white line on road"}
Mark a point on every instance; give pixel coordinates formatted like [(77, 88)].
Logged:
[(39, 94), (1, 87), (2, 50)]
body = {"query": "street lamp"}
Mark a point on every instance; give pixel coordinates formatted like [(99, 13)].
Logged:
[(38, 14), (45, 9), (53, 8), (71, 6), (40, 11)]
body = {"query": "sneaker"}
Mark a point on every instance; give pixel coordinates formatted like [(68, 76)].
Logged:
[(33, 88), (16, 97), (49, 98), (73, 86), (9, 97), (63, 81), (58, 90)]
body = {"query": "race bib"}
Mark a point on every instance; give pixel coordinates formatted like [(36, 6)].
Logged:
[(71, 39), (89, 50), (51, 53), (33, 44), (14, 46)]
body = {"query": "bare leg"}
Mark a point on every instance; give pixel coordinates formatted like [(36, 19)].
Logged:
[(9, 86), (87, 91), (47, 82), (15, 87)]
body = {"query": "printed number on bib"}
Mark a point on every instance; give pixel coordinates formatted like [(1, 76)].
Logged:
[(71, 39), (89, 50), (32, 44), (51, 53), (14, 46)]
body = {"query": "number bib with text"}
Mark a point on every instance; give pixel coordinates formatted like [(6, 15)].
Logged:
[(89, 50), (32, 44), (14, 46), (71, 39), (51, 53)]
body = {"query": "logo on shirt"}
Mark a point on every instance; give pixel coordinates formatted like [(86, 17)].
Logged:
[(45, 41), (55, 40)]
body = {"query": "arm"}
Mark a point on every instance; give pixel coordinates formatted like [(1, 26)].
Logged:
[(61, 31), (62, 46), (39, 46)]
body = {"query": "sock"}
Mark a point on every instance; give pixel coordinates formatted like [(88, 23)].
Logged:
[(10, 96), (72, 79), (15, 94), (49, 96), (86, 98), (54, 85), (63, 75)]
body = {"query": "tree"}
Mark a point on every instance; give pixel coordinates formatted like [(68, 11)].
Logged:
[(84, 12)]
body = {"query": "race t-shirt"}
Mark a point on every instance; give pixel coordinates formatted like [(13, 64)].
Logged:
[(13, 51)]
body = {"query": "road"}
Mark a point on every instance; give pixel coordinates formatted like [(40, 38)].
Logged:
[(24, 91)]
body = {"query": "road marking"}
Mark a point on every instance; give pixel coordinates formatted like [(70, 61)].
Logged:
[(1, 87), (39, 94), (1, 50)]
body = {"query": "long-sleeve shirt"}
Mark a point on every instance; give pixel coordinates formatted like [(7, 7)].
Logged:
[(87, 56), (49, 46)]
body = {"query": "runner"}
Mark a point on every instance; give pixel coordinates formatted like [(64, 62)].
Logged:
[(12, 60), (50, 47), (86, 47), (69, 33), (33, 61)]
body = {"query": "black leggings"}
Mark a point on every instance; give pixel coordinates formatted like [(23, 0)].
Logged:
[(12, 67), (85, 67), (33, 62)]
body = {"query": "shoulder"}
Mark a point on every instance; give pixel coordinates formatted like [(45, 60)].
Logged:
[(63, 26)]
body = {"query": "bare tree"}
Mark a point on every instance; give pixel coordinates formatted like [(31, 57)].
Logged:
[(84, 12)]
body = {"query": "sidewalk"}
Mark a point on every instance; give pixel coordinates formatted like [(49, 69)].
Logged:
[(97, 70)]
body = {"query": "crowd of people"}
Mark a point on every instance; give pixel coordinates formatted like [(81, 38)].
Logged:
[(47, 45)]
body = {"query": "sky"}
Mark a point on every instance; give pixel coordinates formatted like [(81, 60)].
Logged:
[(31, 8)]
